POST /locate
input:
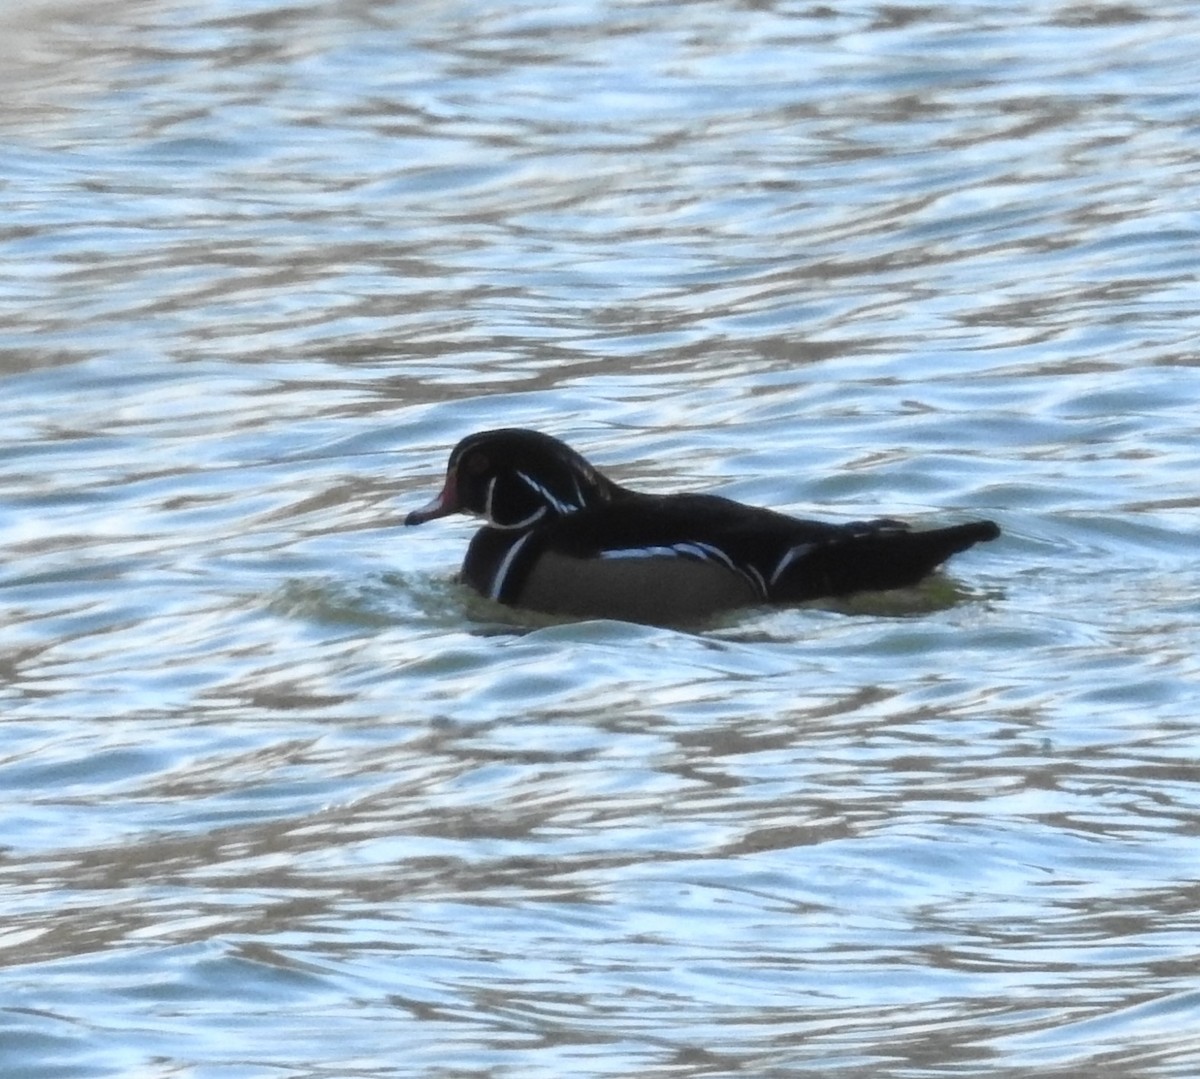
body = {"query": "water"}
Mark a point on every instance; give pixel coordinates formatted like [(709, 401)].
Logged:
[(276, 798)]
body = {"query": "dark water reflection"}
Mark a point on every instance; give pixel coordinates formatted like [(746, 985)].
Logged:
[(276, 797)]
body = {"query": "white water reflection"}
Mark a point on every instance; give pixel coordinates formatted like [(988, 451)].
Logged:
[(275, 795)]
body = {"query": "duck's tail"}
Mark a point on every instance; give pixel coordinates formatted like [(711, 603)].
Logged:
[(873, 557)]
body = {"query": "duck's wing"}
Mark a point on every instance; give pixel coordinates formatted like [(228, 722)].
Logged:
[(872, 559), (782, 558)]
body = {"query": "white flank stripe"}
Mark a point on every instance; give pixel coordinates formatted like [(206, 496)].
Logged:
[(505, 566), (715, 554), (641, 552), (707, 550), (702, 552), (792, 554)]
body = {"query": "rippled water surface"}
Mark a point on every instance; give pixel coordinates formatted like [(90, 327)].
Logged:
[(278, 798)]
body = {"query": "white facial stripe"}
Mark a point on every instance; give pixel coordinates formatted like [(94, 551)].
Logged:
[(487, 501), (525, 522), (789, 557), (502, 572), (487, 511)]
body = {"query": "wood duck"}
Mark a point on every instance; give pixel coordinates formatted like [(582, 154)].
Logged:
[(561, 537)]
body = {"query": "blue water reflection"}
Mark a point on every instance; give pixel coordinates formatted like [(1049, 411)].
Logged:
[(278, 796)]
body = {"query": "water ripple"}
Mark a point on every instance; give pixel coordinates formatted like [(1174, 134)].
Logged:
[(279, 796)]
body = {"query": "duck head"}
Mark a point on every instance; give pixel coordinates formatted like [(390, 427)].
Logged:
[(515, 478)]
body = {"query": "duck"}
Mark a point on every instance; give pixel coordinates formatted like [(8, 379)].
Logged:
[(561, 538)]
